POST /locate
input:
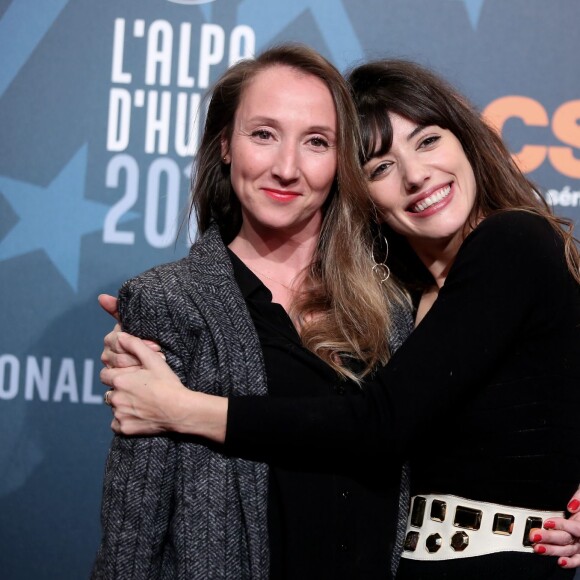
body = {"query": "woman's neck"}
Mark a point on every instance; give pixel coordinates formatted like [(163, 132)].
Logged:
[(277, 258), (438, 255), (279, 250)]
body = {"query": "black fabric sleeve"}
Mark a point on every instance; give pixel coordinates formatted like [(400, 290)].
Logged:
[(504, 271)]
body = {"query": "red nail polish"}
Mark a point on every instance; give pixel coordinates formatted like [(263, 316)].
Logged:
[(563, 562), (573, 505), (537, 538), (549, 525), (540, 549)]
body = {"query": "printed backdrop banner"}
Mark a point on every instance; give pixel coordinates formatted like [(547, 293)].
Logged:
[(98, 125)]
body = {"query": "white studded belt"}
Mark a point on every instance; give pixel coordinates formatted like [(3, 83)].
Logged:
[(441, 527)]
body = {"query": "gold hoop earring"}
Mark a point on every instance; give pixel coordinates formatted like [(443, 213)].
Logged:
[(380, 269)]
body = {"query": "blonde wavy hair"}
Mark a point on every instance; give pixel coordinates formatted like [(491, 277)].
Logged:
[(343, 311)]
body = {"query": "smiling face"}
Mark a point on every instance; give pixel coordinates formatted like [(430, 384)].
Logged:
[(282, 151), (424, 186)]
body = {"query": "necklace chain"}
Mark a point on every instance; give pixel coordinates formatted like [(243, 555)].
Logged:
[(274, 280)]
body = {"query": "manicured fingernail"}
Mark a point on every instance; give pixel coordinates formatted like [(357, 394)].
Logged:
[(563, 562), (573, 505), (537, 538), (540, 549), (549, 525)]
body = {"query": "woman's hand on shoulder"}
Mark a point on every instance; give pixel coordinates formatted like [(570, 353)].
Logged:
[(149, 398), (113, 355), (144, 396), (561, 537)]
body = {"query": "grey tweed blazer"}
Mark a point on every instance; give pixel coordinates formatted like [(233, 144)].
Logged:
[(173, 508)]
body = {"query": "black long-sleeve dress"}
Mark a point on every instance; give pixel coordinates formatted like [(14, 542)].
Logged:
[(329, 516), (482, 397)]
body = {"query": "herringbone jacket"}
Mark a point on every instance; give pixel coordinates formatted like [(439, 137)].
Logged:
[(173, 508)]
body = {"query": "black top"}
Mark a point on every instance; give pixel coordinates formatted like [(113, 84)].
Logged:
[(329, 516), (482, 397)]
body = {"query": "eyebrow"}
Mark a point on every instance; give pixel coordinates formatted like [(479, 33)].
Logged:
[(410, 136), (322, 129), (415, 131)]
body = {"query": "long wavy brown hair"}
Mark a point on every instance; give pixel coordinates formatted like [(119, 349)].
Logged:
[(414, 92), (342, 309)]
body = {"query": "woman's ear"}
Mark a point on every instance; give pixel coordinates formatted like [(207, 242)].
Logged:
[(225, 150)]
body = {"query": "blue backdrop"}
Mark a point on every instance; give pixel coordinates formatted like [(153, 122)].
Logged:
[(98, 123)]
